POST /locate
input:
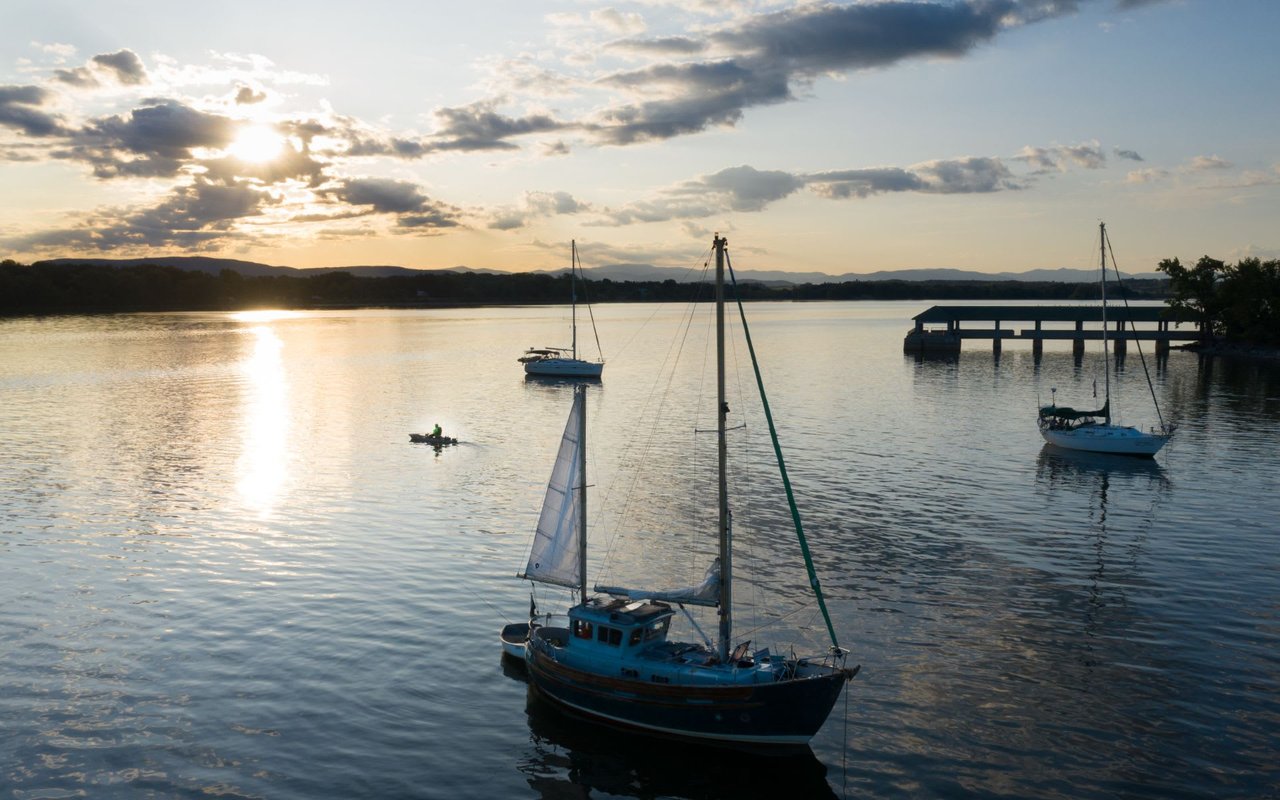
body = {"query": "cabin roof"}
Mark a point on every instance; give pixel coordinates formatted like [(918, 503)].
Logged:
[(625, 612)]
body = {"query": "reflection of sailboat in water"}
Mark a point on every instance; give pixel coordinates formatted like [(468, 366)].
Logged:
[(1113, 541), (565, 758)]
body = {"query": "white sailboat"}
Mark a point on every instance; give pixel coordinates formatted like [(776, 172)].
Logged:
[(1093, 431), (613, 660), (563, 362)]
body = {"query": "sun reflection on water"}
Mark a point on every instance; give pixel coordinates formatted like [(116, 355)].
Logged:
[(263, 465), (264, 315)]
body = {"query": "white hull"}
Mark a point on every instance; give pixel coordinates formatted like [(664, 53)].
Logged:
[(1113, 439), (514, 637), (564, 368)]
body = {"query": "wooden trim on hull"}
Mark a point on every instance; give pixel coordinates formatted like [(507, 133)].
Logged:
[(779, 713)]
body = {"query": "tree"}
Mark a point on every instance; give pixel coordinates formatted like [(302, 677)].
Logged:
[(1195, 290), (1250, 302)]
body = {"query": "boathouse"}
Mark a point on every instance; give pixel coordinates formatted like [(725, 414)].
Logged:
[(944, 328)]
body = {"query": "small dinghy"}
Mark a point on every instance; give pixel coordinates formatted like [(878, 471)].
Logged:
[(514, 637), (432, 439)]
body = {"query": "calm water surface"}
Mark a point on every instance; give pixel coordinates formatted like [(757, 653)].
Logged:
[(225, 571)]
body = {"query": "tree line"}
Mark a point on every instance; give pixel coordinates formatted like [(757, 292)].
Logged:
[(1237, 303), (43, 288)]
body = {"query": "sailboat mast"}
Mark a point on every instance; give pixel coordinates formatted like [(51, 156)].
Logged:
[(573, 292), (722, 410), (580, 397), (1106, 357)]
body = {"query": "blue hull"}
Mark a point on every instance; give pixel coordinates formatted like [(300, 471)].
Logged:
[(785, 712)]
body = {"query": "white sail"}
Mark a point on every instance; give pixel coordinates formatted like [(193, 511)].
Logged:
[(554, 557), (704, 594)]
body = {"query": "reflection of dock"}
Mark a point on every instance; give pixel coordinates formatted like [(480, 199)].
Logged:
[(939, 329)]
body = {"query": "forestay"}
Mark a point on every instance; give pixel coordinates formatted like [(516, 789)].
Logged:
[(555, 555)]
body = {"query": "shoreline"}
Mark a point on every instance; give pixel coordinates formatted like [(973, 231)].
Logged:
[(1254, 352)]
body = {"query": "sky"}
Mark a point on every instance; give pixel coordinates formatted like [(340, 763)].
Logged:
[(841, 137)]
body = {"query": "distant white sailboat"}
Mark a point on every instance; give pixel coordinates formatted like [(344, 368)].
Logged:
[(613, 661), (1093, 431), (563, 362)]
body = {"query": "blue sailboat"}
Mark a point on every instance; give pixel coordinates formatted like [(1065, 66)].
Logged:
[(614, 660)]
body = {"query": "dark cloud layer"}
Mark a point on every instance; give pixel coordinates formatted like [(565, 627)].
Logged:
[(155, 140), (769, 53), (22, 108), (401, 198), (480, 127)]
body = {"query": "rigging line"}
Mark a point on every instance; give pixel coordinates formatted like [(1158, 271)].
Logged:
[(671, 361), (587, 301), (782, 467), (764, 626), (1137, 342), (660, 306), (485, 600)]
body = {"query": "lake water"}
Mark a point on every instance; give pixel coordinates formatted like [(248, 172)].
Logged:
[(225, 571)]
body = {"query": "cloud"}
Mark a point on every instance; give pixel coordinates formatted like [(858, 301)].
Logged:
[(701, 95), (247, 95), (977, 175), (536, 205), (59, 51), (618, 22), (1060, 158), (123, 67), (745, 188), (291, 164), (479, 127), (662, 46), (865, 182), (1129, 155), (154, 140), (192, 217), (766, 54), (1146, 175), (22, 108), (1204, 163), (401, 198)]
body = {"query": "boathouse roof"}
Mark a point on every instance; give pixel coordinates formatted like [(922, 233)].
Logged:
[(1089, 313)]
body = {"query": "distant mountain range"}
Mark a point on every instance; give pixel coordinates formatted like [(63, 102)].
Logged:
[(619, 272)]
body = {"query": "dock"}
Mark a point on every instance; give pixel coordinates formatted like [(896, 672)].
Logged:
[(943, 329)]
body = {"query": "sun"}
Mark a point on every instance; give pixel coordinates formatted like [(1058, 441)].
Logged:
[(257, 143)]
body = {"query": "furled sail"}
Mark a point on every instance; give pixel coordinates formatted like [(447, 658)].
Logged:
[(706, 593), (1064, 412), (554, 557)]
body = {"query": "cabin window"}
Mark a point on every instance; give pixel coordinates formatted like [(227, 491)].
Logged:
[(637, 635), (657, 630), (630, 673), (581, 629), (659, 679), (611, 636)]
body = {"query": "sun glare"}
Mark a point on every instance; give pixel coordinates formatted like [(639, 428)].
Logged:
[(257, 143)]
